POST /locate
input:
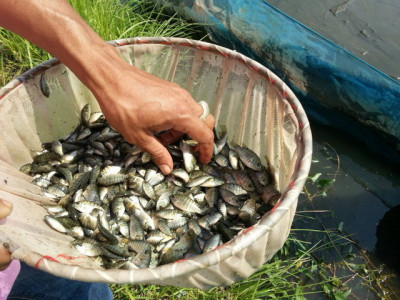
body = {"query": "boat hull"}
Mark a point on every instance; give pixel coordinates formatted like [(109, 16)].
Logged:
[(335, 87)]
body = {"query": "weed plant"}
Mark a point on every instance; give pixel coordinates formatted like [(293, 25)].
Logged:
[(297, 271)]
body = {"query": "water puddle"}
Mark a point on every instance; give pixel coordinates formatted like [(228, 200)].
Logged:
[(361, 201)]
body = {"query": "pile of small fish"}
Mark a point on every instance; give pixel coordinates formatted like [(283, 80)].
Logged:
[(125, 213)]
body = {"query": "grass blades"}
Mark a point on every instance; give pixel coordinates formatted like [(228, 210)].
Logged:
[(116, 19), (17, 55), (111, 19), (300, 270)]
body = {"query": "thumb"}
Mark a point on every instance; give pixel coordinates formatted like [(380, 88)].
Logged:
[(5, 208), (158, 152)]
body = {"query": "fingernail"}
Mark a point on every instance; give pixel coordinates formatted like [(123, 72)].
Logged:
[(165, 169), (6, 203)]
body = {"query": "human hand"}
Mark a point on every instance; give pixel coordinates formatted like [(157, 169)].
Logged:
[(137, 104), (134, 102), (5, 256)]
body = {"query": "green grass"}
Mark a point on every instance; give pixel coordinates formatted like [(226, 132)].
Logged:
[(297, 271), (110, 19)]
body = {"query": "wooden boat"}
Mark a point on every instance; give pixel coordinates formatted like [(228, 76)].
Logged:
[(335, 87)]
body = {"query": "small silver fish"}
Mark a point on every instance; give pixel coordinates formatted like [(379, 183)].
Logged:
[(249, 158), (126, 214), (116, 249), (44, 86), (242, 179), (86, 206), (234, 188), (85, 114), (270, 195), (88, 247), (185, 203), (197, 181), (248, 210), (84, 134), (135, 229), (221, 160), (88, 221), (181, 174), (229, 197), (189, 160), (111, 179), (213, 242), (177, 222), (53, 191), (145, 219), (55, 224), (233, 159), (142, 259), (220, 143), (56, 147)]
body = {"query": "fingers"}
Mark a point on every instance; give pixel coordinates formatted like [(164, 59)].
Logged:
[(200, 132), (5, 208), (210, 121), (170, 137), (194, 127), (160, 155), (173, 135), (5, 257), (205, 150)]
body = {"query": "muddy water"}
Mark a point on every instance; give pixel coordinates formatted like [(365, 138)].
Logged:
[(366, 187), (365, 196), (367, 28), (363, 199)]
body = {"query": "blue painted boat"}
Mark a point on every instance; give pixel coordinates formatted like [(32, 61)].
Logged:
[(335, 87)]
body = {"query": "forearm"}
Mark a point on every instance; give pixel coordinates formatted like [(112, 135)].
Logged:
[(55, 26), (134, 102)]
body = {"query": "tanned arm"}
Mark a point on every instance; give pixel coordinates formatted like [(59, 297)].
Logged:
[(134, 102)]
